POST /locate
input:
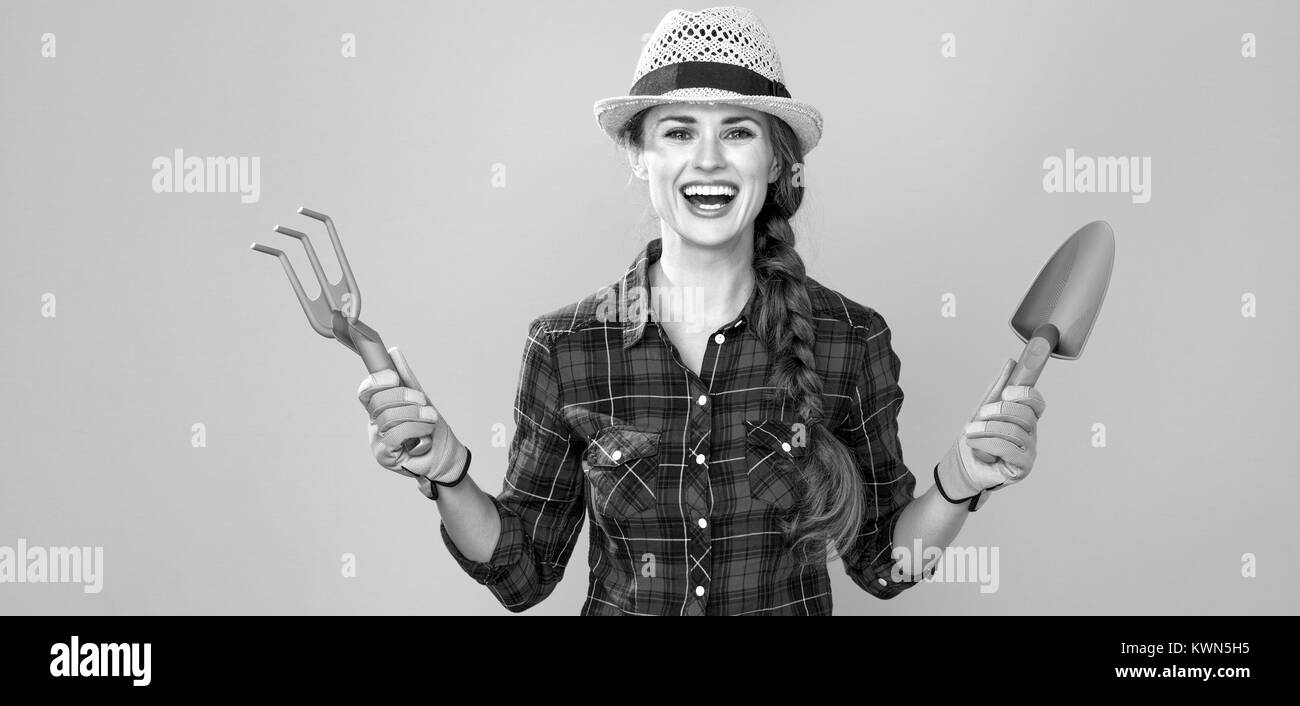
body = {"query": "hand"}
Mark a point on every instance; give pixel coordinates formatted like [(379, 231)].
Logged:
[(1004, 427), (400, 411)]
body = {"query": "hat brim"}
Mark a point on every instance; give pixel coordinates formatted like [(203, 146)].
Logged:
[(806, 121)]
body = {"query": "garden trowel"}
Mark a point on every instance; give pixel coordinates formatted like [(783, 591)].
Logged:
[(1057, 313)]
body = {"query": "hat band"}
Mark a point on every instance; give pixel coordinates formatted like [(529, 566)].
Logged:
[(707, 74)]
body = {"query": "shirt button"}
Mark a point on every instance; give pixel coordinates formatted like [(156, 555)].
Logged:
[(616, 455), (699, 458), (699, 590), (703, 523), (718, 339), (704, 399), (784, 447), (883, 582)]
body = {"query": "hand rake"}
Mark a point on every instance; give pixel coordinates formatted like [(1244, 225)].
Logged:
[(335, 312)]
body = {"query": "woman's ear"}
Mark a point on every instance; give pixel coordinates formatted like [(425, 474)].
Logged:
[(635, 159), (775, 172)]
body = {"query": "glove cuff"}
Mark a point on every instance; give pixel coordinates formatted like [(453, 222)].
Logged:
[(972, 502), (430, 490)]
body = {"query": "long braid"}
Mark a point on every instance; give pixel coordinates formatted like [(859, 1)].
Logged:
[(787, 324), (832, 506)]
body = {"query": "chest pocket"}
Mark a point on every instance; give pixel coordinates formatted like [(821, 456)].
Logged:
[(621, 463), (774, 455)]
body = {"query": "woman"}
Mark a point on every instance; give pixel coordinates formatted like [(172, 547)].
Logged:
[(723, 458)]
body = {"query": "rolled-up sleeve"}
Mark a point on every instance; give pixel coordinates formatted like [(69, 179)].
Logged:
[(871, 433), (541, 503)]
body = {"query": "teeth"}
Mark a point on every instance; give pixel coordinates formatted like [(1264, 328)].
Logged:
[(708, 190)]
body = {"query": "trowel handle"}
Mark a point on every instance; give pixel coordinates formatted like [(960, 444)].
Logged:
[(1027, 369), (1031, 362)]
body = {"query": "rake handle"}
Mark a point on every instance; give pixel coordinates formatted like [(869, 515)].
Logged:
[(374, 354)]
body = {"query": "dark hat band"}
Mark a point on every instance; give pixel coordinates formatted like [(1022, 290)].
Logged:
[(707, 74)]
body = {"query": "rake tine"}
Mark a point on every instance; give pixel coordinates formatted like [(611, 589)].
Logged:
[(297, 287), (315, 263), (343, 261)]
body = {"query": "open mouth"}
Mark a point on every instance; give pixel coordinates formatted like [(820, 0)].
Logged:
[(709, 198)]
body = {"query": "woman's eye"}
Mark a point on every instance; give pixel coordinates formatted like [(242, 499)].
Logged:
[(741, 132)]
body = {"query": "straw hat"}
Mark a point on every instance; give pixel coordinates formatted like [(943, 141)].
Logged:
[(715, 55)]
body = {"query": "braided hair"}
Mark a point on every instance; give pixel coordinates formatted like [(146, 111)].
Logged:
[(833, 505)]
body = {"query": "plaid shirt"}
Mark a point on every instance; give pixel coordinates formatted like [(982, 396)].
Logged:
[(685, 476)]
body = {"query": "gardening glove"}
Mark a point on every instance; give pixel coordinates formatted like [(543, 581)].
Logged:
[(1004, 426), (400, 411)]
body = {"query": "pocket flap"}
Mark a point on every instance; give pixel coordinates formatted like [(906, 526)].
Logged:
[(613, 446), (789, 440)]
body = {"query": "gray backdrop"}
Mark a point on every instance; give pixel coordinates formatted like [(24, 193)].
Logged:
[(929, 181)]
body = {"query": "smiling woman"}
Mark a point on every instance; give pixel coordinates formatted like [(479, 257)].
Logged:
[(725, 458), (750, 155), (733, 151)]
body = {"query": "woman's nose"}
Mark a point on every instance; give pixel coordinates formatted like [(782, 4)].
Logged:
[(708, 153)]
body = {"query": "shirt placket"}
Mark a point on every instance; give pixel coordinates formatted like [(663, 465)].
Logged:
[(698, 498)]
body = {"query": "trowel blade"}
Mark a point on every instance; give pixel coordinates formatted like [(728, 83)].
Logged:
[(1069, 290)]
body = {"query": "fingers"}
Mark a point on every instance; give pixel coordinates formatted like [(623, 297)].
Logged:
[(1018, 413), (400, 413), (394, 447), (376, 383), (391, 407), (1026, 395), (1011, 433), (994, 392), (1012, 445), (417, 421), (422, 448), (1012, 460), (404, 369), (395, 427), (1005, 425), (395, 397), (421, 419), (392, 459)]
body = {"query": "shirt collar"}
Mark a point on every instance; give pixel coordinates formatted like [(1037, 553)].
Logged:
[(637, 278)]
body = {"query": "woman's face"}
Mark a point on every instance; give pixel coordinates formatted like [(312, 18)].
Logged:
[(708, 167)]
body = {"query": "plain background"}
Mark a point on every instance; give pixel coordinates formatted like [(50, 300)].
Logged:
[(928, 181)]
